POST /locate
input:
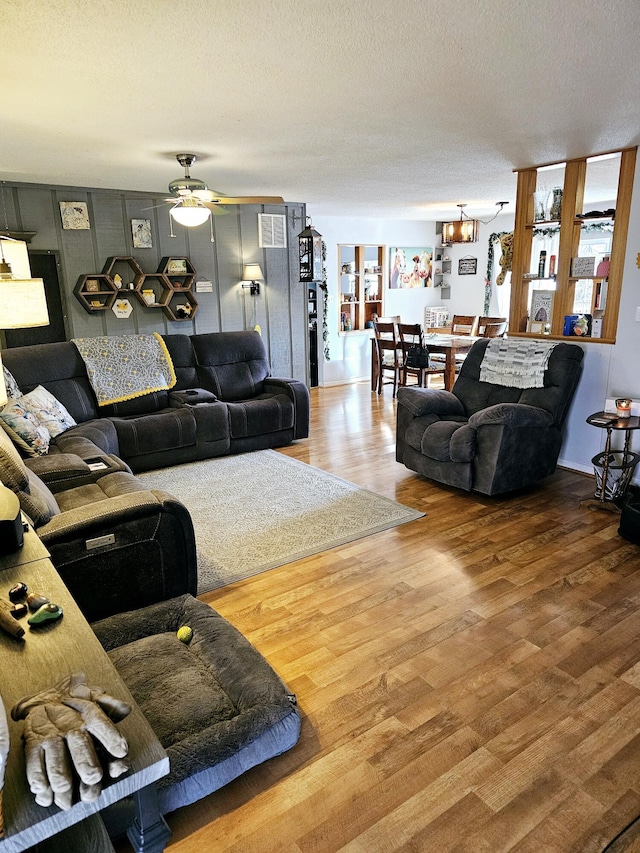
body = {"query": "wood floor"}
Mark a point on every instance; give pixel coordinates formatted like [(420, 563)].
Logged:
[(468, 682)]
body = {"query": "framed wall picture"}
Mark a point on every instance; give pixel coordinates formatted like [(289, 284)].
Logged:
[(74, 215), (467, 266), (141, 233), (410, 267)]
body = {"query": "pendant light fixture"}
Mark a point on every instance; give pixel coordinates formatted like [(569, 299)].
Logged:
[(466, 230)]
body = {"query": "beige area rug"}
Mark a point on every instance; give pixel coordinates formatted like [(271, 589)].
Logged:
[(256, 511)]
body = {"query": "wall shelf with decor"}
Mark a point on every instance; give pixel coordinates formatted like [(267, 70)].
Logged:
[(152, 289), (122, 269), (181, 305), (549, 248), (95, 292), (179, 271), (168, 289), (361, 276)]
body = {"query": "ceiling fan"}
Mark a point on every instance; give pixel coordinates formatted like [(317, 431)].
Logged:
[(193, 202)]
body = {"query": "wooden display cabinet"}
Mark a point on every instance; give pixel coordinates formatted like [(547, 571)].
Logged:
[(570, 225), (361, 277)]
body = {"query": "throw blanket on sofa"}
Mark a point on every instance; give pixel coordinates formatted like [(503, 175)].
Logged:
[(515, 363), (126, 366)]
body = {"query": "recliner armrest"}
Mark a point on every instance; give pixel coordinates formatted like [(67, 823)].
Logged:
[(430, 401), (299, 394), (100, 514), (512, 414)]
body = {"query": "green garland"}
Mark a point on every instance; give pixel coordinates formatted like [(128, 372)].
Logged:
[(325, 289)]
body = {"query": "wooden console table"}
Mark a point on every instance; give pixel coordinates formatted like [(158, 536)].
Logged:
[(38, 661)]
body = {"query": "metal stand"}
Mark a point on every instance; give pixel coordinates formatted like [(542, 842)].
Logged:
[(613, 468)]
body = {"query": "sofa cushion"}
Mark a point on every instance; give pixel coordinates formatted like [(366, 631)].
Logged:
[(232, 365), (13, 391), (265, 414), (24, 428), (48, 411), (36, 499), (59, 368), (13, 471)]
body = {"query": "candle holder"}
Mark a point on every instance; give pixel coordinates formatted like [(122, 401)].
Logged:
[(623, 407)]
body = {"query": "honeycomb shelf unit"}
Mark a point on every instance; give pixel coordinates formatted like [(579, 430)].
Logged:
[(96, 292)]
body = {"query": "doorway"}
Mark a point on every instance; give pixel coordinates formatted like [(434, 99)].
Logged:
[(44, 265)]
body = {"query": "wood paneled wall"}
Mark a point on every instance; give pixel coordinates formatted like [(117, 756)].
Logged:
[(280, 310)]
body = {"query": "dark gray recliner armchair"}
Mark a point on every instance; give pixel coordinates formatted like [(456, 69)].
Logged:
[(485, 437)]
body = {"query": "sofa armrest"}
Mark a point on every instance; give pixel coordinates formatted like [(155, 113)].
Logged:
[(430, 401), (62, 471), (191, 397), (512, 414), (96, 548), (299, 394)]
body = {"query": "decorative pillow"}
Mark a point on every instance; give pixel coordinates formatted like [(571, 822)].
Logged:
[(25, 429), (49, 412), (13, 391)]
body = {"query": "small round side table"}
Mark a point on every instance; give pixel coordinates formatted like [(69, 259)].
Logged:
[(613, 468)]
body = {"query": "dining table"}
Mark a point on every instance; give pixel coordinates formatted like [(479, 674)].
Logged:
[(450, 345)]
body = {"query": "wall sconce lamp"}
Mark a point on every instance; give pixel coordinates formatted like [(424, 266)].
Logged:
[(23, 302), (251, 278), (310, 252), (466, 230)]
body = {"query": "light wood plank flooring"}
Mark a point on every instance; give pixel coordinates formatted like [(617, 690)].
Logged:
[(468, 682)]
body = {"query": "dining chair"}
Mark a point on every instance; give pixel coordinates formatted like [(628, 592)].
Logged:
[(412, 335), (465, 324), (492, 327), (388, 352), (461, 324)]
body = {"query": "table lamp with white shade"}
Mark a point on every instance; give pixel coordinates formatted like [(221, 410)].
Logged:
[(23, 302)]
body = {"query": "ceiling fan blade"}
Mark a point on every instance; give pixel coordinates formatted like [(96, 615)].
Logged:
[(246, 199)]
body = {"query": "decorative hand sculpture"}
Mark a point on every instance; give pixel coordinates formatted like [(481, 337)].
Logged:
[(59, 723)]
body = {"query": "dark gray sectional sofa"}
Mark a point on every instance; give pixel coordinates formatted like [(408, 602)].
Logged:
[(224, 402), (215, 703), (82, 497)]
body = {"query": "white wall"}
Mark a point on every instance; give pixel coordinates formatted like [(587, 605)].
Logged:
[(608, 371)]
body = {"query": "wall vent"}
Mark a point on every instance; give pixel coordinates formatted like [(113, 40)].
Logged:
[(272, 231)]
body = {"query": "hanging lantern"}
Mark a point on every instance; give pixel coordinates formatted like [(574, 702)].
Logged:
[(310, 246)]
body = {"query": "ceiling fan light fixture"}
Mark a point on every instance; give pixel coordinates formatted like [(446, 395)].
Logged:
[(190, 212)]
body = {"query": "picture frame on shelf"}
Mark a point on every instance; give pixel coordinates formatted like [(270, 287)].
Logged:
[(177, 266), (541, 310), (92, 285)]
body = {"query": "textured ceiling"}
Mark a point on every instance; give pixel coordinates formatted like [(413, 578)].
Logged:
[(357, 107)]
